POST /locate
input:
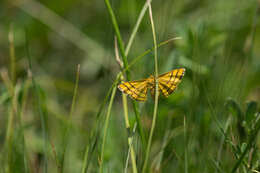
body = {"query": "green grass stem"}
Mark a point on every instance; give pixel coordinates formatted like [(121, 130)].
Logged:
[(56, 158), (11, 115), (133, 34), (106, 128), (85, 161), (124, 100), (72, 107), (229, 120), (8, 84), (39, 107), (75, 91), (25, 90), (90, 147), (119, 38), (156, 92), (130, 136), (185, 147)]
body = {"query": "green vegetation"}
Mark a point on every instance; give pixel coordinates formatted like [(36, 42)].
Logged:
[(61, 62)]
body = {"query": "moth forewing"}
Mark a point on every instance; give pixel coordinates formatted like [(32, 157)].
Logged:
[(136, 89), (168, 81)]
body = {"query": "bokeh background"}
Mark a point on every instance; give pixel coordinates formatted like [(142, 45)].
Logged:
[(217, 98)]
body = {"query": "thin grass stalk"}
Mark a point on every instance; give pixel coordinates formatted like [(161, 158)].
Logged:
[(130, 136), (25, 93), (130, 42), (106, 127), (156, 91), (119, 38), (13, 114), (20, 116), (129, 150), (223, 140), (124, 100), (19, 111), (185, 147), (39, 104), (55, 157), (85, 161), (12, 111), (8, 84), (138, 22), (43, 125), (139, 124), (214, 112), (95, 135), (166, 138), (72, 107)]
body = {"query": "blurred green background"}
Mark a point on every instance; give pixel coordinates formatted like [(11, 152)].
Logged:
[(217, 97)]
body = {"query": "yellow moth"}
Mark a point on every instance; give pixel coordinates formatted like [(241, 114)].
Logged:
[(167, 83)]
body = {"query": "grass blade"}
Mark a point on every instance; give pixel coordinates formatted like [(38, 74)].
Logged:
[(119, 38), (185, 147), (138, 22), (127, 124), (66, 135), (94, 133), (156, 92), (106, 127), (39, 106)]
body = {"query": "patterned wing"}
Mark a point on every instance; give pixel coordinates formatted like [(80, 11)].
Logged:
[(136, 89), (168, 81)]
